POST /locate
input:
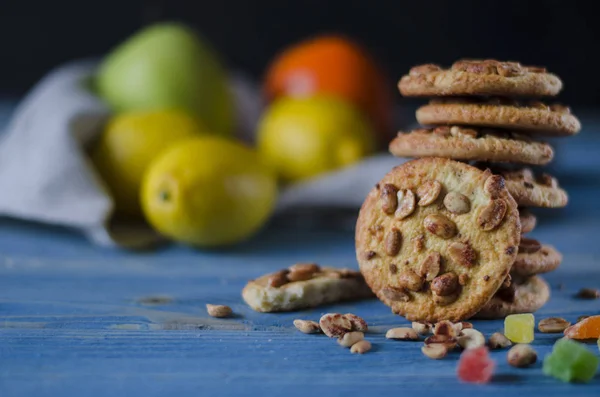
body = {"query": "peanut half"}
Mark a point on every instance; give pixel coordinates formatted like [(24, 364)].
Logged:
[(471, 339), (435, 351), (553, 325), (521, 355), (351, 338), (219, 311), (498, 341), (402, 333), (361, 347), (335, 325), (307, 326)]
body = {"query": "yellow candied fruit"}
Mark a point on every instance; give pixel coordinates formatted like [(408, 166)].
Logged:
[(519, 327)]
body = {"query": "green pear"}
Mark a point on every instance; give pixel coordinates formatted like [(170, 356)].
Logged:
[(168, 66)]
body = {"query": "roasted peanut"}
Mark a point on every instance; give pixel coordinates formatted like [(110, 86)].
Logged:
[(457, 203), (402, 333), (440, 226), (430, 267), (393, 242), (307, 326), (389, 198), (218, 311), (462, 254), (428, 192), (492, 215)]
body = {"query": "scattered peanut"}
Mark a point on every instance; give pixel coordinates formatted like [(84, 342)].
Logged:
[(466, 324), (351, 338), (498, 341), (521, 355), (218, 311), (435, 351), (588, 293), (471, 339), (335, 325), (361, 347), (402, 333), (553, 325), (448, 341), (421, 328), (307, 326), (445, 328), (358, 323)]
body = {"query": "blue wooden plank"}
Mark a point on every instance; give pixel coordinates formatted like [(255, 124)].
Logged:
[(73, 321)]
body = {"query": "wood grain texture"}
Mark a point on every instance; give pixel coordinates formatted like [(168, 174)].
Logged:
[(73, 321)]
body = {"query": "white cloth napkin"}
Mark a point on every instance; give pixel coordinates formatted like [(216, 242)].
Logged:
[(45, 175)]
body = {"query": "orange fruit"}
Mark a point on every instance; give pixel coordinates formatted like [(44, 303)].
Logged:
[(588, 328), (337, 66)]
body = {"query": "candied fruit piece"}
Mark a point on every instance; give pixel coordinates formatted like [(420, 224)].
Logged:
[(519, 327), (570, 361), (476, 366), (588, 328)]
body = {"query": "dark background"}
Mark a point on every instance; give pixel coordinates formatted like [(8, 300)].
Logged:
[(37, 35)]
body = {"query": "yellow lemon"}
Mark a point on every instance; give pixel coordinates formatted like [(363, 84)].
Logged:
[(303, 137), (129, 143), (208, 192)]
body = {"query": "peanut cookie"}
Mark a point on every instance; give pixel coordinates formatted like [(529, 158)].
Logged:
[(527, 296), (533, 191), (533, 117), (528, 220), (436, 238), (302, 286), (479, 77), (535, 258), (479, 144)]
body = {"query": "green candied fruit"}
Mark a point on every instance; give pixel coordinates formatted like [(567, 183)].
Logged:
[(519, 327), (570, 361)]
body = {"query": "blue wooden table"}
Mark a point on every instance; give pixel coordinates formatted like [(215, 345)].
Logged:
[(76, 320)]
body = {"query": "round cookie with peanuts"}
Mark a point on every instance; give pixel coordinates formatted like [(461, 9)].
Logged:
[(533, 117), (436, 238), (528, 220), (532, 190), (479, 77), (535, 258), (522, 296), (471, 144)]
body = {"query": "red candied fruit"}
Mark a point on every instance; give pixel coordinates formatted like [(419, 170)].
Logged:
[(476, 366)]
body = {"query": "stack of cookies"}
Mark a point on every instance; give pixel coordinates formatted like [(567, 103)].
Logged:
[(441, 238)]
